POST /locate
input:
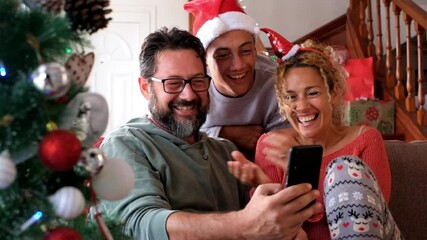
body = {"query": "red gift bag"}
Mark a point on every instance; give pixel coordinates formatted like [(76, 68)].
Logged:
[(360, 78)]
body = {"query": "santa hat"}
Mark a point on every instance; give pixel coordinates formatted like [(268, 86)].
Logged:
[(215, 17), (281, 46)]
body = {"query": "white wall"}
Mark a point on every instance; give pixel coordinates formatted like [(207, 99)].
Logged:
[(116, 69), (293, 18)]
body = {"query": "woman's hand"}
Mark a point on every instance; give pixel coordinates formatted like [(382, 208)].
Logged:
[(278, 144), (246, 171)]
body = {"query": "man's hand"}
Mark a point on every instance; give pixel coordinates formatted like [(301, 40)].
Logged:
[(277, 213), (244, 136)]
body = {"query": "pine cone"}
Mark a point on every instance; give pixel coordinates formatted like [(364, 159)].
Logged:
[(53, 6), (87, 15)]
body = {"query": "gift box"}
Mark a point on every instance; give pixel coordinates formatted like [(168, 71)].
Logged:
[(359, 78), (376, 113)]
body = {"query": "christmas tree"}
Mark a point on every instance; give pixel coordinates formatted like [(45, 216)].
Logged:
[(50, 176)]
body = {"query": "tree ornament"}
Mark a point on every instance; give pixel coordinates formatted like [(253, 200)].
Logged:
[(86, 116), (63, 233), (114, 181), (92, 160), (7, 170), (6, 120), (52, 79), (87, 15), (60, 150), (68, 202), (51, 126), (52, 6), (79, 67)]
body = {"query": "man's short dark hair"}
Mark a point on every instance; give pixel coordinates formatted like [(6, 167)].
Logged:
[(165, 39)]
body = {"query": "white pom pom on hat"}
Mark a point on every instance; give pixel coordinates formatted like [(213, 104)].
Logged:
[(215, 17)]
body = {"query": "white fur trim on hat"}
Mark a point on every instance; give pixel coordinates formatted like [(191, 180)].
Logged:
[(291, 52), (225, 22)]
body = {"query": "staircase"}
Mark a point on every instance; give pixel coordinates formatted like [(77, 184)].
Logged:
[(393, 33), (394, 73)]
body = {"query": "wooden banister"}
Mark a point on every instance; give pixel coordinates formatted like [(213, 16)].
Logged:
[(413, 10), (406, 89)]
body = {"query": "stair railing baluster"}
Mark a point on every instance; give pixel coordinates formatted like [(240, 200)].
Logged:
[(410, 99), (390, 80), (421, 97), (371, 46), (399, 91), (380, 62)]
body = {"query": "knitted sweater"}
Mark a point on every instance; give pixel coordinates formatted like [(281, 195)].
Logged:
[(368, 146)]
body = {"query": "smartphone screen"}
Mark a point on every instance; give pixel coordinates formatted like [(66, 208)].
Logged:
[(304, 165)]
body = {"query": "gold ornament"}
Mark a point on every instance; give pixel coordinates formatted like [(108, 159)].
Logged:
[(6, 120), (51, 126)]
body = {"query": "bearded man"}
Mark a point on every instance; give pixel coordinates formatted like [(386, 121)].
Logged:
[(183, 189)]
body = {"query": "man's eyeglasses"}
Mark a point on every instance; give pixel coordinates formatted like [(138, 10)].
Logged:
[(176, 85)]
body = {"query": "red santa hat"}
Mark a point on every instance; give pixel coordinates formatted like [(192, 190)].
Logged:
[(282, 48), (215, 17)]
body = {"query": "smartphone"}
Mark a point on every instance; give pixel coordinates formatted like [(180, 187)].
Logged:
[(304, 165)]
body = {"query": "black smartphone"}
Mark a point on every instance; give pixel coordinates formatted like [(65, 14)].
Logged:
[(304, 165)]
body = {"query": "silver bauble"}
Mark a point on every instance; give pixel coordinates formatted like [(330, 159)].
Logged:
[(52, 79)]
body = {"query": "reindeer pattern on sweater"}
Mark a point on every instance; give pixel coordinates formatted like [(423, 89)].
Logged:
[(355, 207)]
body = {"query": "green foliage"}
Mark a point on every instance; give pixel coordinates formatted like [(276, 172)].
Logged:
[(23, 103), (24, 34)]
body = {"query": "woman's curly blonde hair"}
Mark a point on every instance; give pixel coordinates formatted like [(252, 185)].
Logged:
[(321, 57)]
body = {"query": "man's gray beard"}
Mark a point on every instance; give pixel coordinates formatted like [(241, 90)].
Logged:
[(184, 129)]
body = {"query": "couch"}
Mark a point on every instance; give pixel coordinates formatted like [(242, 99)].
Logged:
[(408, 201)]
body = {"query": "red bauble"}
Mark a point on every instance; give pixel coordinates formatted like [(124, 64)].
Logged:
[(63, 233), (60, 150)]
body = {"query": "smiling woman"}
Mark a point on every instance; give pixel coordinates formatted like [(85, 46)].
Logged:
[(310, 90)]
